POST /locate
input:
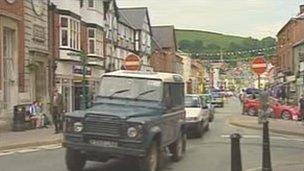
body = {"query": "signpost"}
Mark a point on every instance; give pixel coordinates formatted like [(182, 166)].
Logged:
[(259, 66), (132, 62)]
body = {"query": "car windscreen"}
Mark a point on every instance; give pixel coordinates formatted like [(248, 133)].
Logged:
[(133, 88), (192, 101), (216, 95)]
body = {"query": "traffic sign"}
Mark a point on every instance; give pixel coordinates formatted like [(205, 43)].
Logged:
[(259, 65), (132, 62)]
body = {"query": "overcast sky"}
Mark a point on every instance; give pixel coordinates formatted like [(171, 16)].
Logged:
[(256, 18)]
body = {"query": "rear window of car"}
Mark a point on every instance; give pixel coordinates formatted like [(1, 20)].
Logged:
[(192, 101), (216, 95)]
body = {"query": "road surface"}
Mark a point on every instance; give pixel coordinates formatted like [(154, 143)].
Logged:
[(210, 153)]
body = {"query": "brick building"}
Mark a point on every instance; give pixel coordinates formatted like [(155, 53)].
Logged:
[(164, 57), (290, 34)]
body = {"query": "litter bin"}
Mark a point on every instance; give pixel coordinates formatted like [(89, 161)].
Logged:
[(19, 118)]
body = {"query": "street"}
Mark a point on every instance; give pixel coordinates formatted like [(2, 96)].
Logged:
[(210, 153)]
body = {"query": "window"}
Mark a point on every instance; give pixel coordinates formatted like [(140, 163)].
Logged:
[(174, 96), (91, 3), (95, 44), (70, 33)]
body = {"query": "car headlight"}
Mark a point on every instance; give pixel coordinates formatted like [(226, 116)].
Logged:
[(135, 131), (73, 125), (78, 127), (132, 132)]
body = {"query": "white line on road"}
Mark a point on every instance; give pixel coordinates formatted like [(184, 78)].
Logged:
[(28, 150)]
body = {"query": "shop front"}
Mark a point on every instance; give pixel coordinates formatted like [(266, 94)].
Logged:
[(69, 82)]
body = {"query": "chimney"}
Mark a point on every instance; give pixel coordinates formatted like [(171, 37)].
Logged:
[(301, 9)]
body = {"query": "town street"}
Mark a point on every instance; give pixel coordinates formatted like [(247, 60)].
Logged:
[(210, 153)]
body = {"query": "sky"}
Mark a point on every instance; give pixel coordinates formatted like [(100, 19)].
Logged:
[(255, 18)]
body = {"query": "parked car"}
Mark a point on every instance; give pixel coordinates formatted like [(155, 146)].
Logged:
[(277, 109), (136, 115), (207, 103), (197, 118), (217, 99), (284, 111)]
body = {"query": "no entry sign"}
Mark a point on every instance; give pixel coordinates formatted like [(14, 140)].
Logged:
[(132, 62), (259, 65)]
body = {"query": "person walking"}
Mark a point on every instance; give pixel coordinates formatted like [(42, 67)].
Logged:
[(57, 111), (301, 102)]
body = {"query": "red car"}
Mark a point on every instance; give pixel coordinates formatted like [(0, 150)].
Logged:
[(278, 110)]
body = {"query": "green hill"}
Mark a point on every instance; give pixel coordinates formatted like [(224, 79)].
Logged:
[(195, 41), (208, 37)]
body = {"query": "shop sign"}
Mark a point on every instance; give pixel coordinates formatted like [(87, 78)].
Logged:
[(77, 69)]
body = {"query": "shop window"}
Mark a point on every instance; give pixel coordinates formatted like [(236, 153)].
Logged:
[(70, 33)]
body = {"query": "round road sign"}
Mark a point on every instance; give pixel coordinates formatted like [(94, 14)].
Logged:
[(259, 65), (132, 62)]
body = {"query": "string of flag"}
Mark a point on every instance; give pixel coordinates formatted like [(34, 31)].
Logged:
[(237, 52)]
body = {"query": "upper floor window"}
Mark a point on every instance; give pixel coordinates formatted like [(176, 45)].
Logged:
[(91, 3), (96, 4), (69, 33), (95, 41)]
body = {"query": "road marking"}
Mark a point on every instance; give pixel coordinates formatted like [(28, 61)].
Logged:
[(271, 137), (50, 147), (29, 150), (6, 153)]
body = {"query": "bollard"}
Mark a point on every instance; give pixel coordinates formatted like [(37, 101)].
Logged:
[(236, 160), (266, 163)]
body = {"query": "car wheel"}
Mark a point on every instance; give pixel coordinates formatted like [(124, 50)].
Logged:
[(286, 115), (252, 112), (178, 148), (75, 161), (151, 161)]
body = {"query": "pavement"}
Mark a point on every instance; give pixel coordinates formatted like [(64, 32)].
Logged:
[(29, 138), (275, 125), (209, 153)]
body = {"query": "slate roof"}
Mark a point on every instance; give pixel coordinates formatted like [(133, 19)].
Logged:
[(165, 36), (123, 19), (135, 16)]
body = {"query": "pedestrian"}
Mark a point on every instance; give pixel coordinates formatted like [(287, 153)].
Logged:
[(57, 111), (301, 102)]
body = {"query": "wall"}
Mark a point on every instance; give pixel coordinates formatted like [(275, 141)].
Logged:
[(292, 33)]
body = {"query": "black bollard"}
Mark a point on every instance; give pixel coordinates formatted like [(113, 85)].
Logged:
[(266, 163), (236, 160)]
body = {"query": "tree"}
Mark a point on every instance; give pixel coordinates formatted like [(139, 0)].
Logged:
[(185, 45), (197, 46), (268, 42), (213, 47)]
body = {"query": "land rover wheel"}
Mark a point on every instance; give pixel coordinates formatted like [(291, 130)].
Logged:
[(178, 148), (151, 161), (75, 161)]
